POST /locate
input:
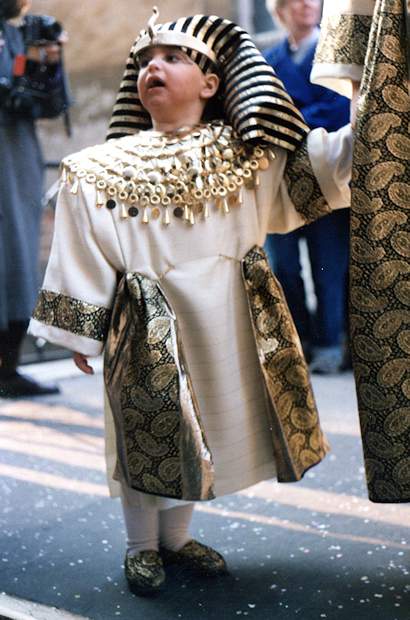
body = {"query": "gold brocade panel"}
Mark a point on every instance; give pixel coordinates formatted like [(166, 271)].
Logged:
[(298, 442), (161, 447), (345, 41), (380, 258)]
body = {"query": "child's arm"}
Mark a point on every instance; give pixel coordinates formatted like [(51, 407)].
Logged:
[(74, 305)]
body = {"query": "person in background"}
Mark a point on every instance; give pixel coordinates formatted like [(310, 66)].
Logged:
[(21, 176), (327, 239)]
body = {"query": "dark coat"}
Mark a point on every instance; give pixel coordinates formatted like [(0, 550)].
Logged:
[(21, 171)]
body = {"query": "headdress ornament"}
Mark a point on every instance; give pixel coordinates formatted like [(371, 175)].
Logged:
[(255, 101)]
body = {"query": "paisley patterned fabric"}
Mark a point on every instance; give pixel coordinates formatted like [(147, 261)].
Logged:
[(160, 443), (380, 247), (298, 441), (77, 316), (303, 186), (346, 39), (380, 311)]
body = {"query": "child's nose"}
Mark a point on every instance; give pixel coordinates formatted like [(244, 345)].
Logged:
[(154, 62)]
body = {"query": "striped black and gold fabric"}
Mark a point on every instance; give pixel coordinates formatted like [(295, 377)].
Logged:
[(254, 100)]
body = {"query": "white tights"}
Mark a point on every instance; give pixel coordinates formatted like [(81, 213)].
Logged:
[(147, 528)]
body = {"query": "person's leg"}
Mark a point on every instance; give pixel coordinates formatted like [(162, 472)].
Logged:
[(174, 526), (142, 564), (142, 526), (328, 246), (284, 256), (177, 546), (12, 383), (10, 343)]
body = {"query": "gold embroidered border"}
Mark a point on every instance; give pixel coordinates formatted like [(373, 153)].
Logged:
[(343, 39), (161, 445), (73, 315), (298, 441), (303, 187)]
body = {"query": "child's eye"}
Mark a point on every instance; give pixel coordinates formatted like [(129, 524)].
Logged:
[(171, 57), (143, 62)]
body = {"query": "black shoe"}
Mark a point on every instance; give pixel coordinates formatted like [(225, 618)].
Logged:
[(144, 573), (17, 386)]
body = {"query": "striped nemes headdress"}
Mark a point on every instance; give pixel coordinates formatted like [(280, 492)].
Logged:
[(255, 101)]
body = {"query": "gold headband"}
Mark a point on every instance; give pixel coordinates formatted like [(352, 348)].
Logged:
[(177, 39), (154, 36)]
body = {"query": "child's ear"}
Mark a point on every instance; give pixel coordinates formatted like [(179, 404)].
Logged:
[(210, 85)]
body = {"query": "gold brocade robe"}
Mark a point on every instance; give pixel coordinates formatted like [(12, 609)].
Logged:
[(371, 35)]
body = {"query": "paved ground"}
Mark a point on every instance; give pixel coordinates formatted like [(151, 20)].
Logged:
[(312, 550)]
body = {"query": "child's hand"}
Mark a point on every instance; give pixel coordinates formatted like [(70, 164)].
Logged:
[(81, 361)]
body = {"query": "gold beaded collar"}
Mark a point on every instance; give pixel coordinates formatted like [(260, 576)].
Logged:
[(151, 174)]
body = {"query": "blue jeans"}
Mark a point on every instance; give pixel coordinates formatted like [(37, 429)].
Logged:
[(328, 246)]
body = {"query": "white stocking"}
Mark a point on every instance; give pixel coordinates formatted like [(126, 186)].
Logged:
[(173, 526), (142, 526)]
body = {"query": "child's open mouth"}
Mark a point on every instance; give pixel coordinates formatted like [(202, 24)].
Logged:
[(155, 83)]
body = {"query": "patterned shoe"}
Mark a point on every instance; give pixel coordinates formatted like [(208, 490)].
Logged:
[(198, 557), (144, 572)]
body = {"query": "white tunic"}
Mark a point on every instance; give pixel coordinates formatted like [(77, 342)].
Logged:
[(199, 270)]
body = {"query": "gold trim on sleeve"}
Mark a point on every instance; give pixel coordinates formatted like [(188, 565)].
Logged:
[(73, 315), (343, 39)]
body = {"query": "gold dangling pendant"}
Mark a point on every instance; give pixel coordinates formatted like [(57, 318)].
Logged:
[(165, 219), (74, 186), (145, 218), (100, 199), (124, 212)]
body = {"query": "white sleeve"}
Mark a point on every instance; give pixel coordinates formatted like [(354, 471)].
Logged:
[(341, 51), (74, 304), (330, 154)]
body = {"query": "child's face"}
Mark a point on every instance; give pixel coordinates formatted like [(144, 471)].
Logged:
[(171, 86)]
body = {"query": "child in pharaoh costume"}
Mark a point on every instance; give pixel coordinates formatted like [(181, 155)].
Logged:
[(157, 260)]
